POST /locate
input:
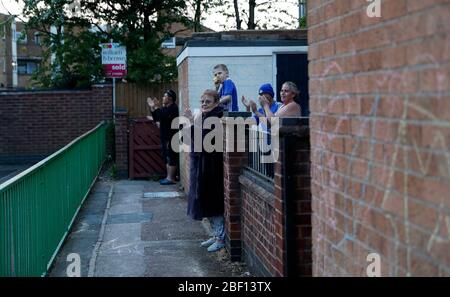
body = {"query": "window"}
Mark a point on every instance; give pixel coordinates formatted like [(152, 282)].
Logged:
[(168, 43), (26, 67), (37, 38)]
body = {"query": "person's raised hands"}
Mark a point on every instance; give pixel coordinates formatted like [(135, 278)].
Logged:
[(253, 106), (153, 102), (246, 103), (263, 100), (188, 114)]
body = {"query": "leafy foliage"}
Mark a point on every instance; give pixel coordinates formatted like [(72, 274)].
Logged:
[(79, 26)]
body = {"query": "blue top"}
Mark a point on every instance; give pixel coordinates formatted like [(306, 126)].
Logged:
[(273, 108), (228, 88)]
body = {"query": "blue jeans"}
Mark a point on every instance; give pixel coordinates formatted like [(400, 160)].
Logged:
[(218, 227)]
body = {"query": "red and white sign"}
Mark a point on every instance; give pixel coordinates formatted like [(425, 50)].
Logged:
[(114, 60)]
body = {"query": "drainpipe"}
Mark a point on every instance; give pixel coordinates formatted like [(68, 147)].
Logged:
[(301, 8), (15, 80)]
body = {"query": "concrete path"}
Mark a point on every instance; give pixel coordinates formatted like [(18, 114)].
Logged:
[(138, 228)]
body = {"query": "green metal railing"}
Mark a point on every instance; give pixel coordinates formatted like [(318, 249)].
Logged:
[(38, 206)]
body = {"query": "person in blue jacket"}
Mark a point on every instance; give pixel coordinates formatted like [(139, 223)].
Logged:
[(226, 88), (266, 94)]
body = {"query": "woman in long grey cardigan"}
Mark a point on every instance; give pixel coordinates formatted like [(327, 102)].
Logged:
[(206, 176)]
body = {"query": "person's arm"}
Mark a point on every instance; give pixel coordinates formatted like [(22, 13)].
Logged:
[(155, 108), (153, 103), (188, 114), (266, 106), (225, 99), (227, 87), (255, 109)]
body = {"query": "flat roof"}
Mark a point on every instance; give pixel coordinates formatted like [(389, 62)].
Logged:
[(245, 39), (228, 43)]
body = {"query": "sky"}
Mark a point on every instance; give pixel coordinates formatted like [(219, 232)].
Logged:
[(215, 21), (10, 5)]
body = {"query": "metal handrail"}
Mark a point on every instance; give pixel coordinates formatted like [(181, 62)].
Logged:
[(39, 206)]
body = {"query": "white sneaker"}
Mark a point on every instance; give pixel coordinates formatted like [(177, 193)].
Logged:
[(208, 242), (217, 245)]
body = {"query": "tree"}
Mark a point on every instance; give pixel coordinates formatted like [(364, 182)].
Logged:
[(260, 14), (251, 15), (80, 25), (237, 14)]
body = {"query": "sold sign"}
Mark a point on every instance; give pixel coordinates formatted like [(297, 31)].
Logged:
[(114, 60)]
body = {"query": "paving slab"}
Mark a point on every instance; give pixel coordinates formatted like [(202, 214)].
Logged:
[(146, 232)]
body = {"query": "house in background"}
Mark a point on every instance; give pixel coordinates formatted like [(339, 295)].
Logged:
[(267, 207), (252, 57), (20, 53)]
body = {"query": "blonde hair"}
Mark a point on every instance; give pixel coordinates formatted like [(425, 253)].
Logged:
[(222, 66), (211, 93)]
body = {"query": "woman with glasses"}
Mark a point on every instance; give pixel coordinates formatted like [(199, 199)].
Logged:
[(206, 173)]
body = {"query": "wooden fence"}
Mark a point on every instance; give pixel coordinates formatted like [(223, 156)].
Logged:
[(133, 96)]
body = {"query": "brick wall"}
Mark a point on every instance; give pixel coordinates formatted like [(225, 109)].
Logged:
[(232, 165), (293, 178), (268, 222), (259, 232), (121, 142), (380, 116), (36, 124)]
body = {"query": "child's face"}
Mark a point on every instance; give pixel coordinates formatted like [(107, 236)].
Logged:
[(264, 97), (220, 75)]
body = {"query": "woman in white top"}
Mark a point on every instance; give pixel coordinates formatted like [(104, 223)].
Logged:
[(290, 108)]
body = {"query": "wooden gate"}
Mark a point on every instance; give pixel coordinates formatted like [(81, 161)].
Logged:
[(145, 149)]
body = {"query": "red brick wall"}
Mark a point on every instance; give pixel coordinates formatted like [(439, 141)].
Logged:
[(259, 235), (40, 122), (293, 173), (274, 217), (232, 165), (121, 143), (380, 116)]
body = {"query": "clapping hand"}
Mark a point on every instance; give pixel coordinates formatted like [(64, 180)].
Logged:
[(263, 100), (150, 102), (253, 106), (188, 114), (246, 103), (153, 103)]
